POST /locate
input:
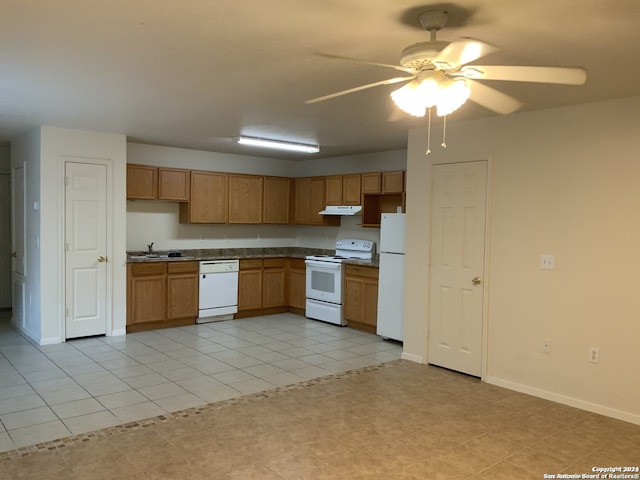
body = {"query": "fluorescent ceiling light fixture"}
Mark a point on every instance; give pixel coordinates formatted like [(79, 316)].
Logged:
[(277, 144)]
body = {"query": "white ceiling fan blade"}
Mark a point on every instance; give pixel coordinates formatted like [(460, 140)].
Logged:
[(365, 62), (492, 99), (560, 75), (461, 52), (361, 87)]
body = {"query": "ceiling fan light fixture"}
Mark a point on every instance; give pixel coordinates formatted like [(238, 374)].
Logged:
[(277, 144), (431, 89)]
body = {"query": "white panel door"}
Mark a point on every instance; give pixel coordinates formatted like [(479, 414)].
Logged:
[(19, 267), (19, 220), (86, 249), (5, 241), (457, 266)]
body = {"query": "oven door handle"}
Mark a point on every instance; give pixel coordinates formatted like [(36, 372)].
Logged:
[(325, 265)]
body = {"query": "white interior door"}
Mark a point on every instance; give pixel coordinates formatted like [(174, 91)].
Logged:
[(5, 241), (457, 266), (86, 249), (19, 266)]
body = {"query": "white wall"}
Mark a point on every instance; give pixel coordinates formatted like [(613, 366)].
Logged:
[(157, 221), (563, 182), (57, 147)]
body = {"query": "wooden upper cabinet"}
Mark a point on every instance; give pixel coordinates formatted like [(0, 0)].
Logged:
[(392, 182), (142, 182), (276, 200), (173, 184), (343, 189), (302, 189), (317, 200), (334, 190), (208, 198), (352, 189), (245, 199), (371, 182)]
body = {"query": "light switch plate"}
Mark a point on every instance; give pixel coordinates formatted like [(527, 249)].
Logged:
[(547, 262)]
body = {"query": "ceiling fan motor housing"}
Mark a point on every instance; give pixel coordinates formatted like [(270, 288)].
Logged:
[(420, 55)]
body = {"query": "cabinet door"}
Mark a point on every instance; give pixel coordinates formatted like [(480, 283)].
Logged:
[(182, 290), (334, 190), (148, 292), (182, 295), (370, 307), (142, 182), (245, 199), (371, 182), (273, 283), (351, 189), (275, 206), (302, 189), (392, 182), (353, 298), (250, 284), (208, 199), (149, 298), (316, 200), (297, 284), (173, 184)]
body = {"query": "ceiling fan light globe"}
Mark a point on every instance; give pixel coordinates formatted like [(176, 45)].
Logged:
[(407, 99), (453, 94)]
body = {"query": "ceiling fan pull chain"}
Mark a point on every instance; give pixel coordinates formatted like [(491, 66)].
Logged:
[(429, 135), (444, 133)]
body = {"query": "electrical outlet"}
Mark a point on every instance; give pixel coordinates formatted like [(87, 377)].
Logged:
[(546, 345), (594, 355), (547, 262)]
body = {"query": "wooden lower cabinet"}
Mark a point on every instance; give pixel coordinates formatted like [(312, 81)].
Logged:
[(270, 285), (182, 290), (360, 300), (161, 294), (274, 280), (297, 285), (250, 284)]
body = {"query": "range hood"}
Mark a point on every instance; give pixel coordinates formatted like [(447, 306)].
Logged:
[(341, 210)]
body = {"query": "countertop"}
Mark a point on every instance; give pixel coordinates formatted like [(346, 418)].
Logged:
[(238, 253)]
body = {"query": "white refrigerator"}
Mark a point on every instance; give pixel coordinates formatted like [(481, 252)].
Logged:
[(391, 276)]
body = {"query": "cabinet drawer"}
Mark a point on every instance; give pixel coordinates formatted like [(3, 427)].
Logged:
[(183, 267), (156, 268), (361, 271), (273, 262), (298, 263), (250, 263)]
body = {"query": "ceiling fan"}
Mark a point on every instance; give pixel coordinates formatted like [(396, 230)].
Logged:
[(439, 74)]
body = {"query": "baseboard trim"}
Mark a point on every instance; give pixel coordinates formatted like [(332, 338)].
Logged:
[(412, 358), (565, 400), (50, 341), (118, 332)]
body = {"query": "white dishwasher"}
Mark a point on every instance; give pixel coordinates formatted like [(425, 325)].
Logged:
[(218, 290)]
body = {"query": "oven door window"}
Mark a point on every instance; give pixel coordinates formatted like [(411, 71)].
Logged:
[(323, 281)]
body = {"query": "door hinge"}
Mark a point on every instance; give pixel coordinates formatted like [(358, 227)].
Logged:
[(66, 312), (66, 246), (66, 181)]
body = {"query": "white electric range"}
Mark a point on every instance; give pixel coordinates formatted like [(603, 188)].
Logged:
[(324, 279)]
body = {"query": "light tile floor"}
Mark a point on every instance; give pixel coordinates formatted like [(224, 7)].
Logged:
[(48, 392)]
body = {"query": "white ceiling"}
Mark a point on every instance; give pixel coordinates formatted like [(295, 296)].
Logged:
[(196, 73)]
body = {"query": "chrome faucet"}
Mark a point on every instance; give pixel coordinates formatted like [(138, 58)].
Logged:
[(150, 247)]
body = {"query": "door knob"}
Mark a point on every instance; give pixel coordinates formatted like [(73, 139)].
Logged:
[(476, 281), (102, 259), (14, 254)]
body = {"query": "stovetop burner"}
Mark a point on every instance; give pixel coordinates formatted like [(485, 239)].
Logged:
[(347, 249)]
